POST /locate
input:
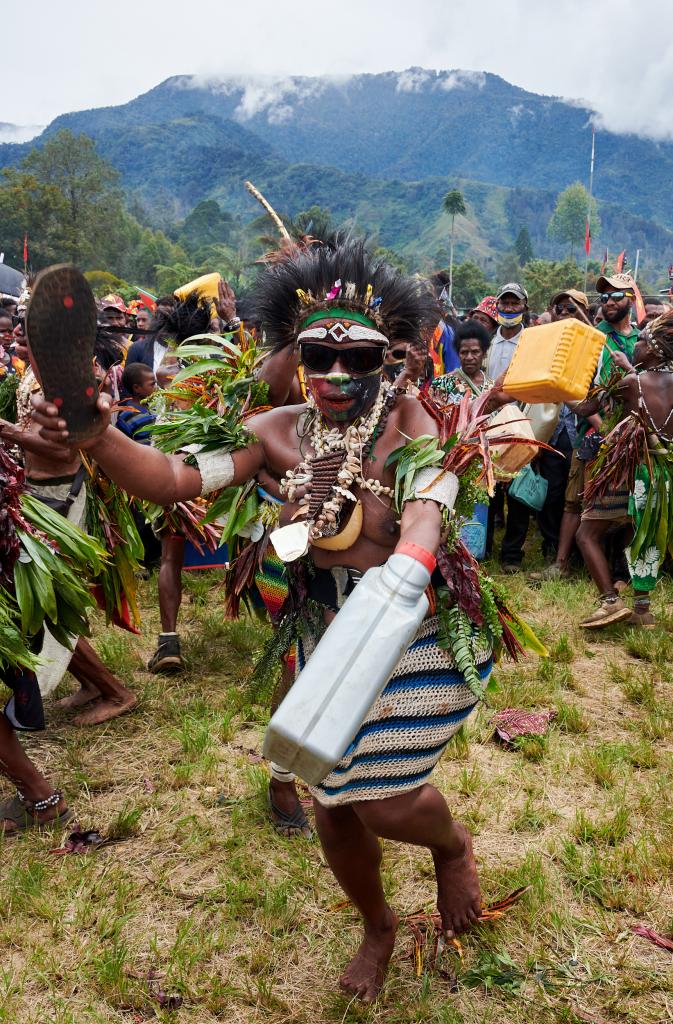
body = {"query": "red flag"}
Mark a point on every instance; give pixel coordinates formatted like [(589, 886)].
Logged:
[(25, 249), (641, 312), (620, 261), (587, 238), (148, 300)]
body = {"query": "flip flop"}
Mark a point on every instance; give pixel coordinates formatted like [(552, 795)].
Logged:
[(284, 822), (61, 332), (17, 812)]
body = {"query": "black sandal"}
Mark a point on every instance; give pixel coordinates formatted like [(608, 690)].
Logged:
[(289, 825), (61, 332)]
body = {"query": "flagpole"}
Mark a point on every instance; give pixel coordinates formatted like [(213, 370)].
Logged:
[(591, 192), (635, 269)]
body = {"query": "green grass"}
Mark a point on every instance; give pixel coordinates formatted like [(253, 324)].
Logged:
[(199, 898)]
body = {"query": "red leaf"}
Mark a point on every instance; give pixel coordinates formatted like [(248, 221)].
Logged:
[(649, 933)]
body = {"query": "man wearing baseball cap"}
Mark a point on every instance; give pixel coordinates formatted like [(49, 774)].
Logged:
[(511, 310), (486, 314), (615, 293)]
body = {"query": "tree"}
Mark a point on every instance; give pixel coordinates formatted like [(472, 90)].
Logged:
[(568, 221), (91, 202), (453, 204), (523, 246), (542, 278), (469, 284)]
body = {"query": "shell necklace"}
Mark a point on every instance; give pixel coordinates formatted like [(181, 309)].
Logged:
[(327, 476)]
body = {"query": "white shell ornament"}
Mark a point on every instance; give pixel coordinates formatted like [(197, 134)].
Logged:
[(291, 542)]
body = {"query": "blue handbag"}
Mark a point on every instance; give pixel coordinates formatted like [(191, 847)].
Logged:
[(529, 488)]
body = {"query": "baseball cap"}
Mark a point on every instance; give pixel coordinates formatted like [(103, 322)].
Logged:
[(615, 283), (513, 289), (578, 297), (113, 302), (487, 306)]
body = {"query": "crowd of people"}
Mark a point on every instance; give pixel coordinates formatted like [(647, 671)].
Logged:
[(355, 358)]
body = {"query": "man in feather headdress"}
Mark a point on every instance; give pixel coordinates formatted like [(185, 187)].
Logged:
[(342, 310)]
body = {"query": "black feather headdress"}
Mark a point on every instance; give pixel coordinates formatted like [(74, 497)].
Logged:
[(344, 274)]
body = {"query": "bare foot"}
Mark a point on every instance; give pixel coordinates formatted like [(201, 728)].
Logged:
[(458, 891), (104, 710), (366, 972), (79, 698)]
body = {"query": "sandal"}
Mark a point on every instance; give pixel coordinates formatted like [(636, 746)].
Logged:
[(607, 613), (61, 332), (289, 825), (17, 811)]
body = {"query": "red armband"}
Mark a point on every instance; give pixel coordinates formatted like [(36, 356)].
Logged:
[(422, 555)]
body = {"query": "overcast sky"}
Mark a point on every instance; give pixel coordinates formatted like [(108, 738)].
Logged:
[(617, 55)]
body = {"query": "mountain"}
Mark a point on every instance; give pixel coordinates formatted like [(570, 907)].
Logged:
[(382, 149)]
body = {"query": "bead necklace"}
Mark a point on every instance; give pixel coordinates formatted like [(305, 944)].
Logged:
[(328, 476)]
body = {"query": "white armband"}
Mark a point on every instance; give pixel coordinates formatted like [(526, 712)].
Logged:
[(216, 468), (434, 484)]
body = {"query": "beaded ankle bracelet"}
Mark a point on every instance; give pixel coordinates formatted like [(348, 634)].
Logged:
[(41, 805)]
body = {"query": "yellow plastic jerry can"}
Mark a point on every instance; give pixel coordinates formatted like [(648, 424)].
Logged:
[(554, 362), (206, 287)]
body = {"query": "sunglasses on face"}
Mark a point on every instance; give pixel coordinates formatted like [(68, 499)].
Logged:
[(398, 354), (321, 358), (564, 307), (615, 296)]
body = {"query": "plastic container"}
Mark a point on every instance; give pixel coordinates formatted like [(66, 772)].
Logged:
[(554, 363), (473, 532), (332, 696), (206, 287), (511, 421)]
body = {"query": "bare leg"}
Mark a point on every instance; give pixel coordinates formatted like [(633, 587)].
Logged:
[(589, 539), (422, 817), (89, 670), (17, 766), (354, 854), (569, 526), (170, 582), (283, 796)]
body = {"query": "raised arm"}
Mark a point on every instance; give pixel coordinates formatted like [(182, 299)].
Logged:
[(144, 471)]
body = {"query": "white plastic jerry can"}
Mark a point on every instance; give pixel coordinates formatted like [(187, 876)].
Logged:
[(332, 696)]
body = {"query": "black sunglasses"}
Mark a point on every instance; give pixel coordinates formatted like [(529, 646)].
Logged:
[(617, 296), (321, 358), (398, 353), (564, 307)]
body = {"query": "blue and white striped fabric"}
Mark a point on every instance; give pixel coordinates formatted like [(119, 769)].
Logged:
[(423, 704)]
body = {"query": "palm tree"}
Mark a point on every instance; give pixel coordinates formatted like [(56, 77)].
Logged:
[(453, 204)]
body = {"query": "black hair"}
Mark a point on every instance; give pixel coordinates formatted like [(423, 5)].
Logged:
[(404, 308), (471, 329), (166, 300), (6, 301), (183, 319), (107, 349), (134, 374)]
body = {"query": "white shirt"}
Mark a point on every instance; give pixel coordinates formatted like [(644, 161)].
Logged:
[(500, 353), (159, 353)]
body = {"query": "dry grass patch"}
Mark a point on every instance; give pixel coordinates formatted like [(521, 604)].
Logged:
[(247, 927)]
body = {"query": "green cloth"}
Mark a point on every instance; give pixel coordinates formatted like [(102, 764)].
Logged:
[(644, 570)]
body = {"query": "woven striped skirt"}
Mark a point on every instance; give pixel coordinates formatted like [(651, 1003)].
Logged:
[(423, 704)]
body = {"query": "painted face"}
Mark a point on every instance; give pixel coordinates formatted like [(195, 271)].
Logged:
[(346, 387), (341, 397)]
